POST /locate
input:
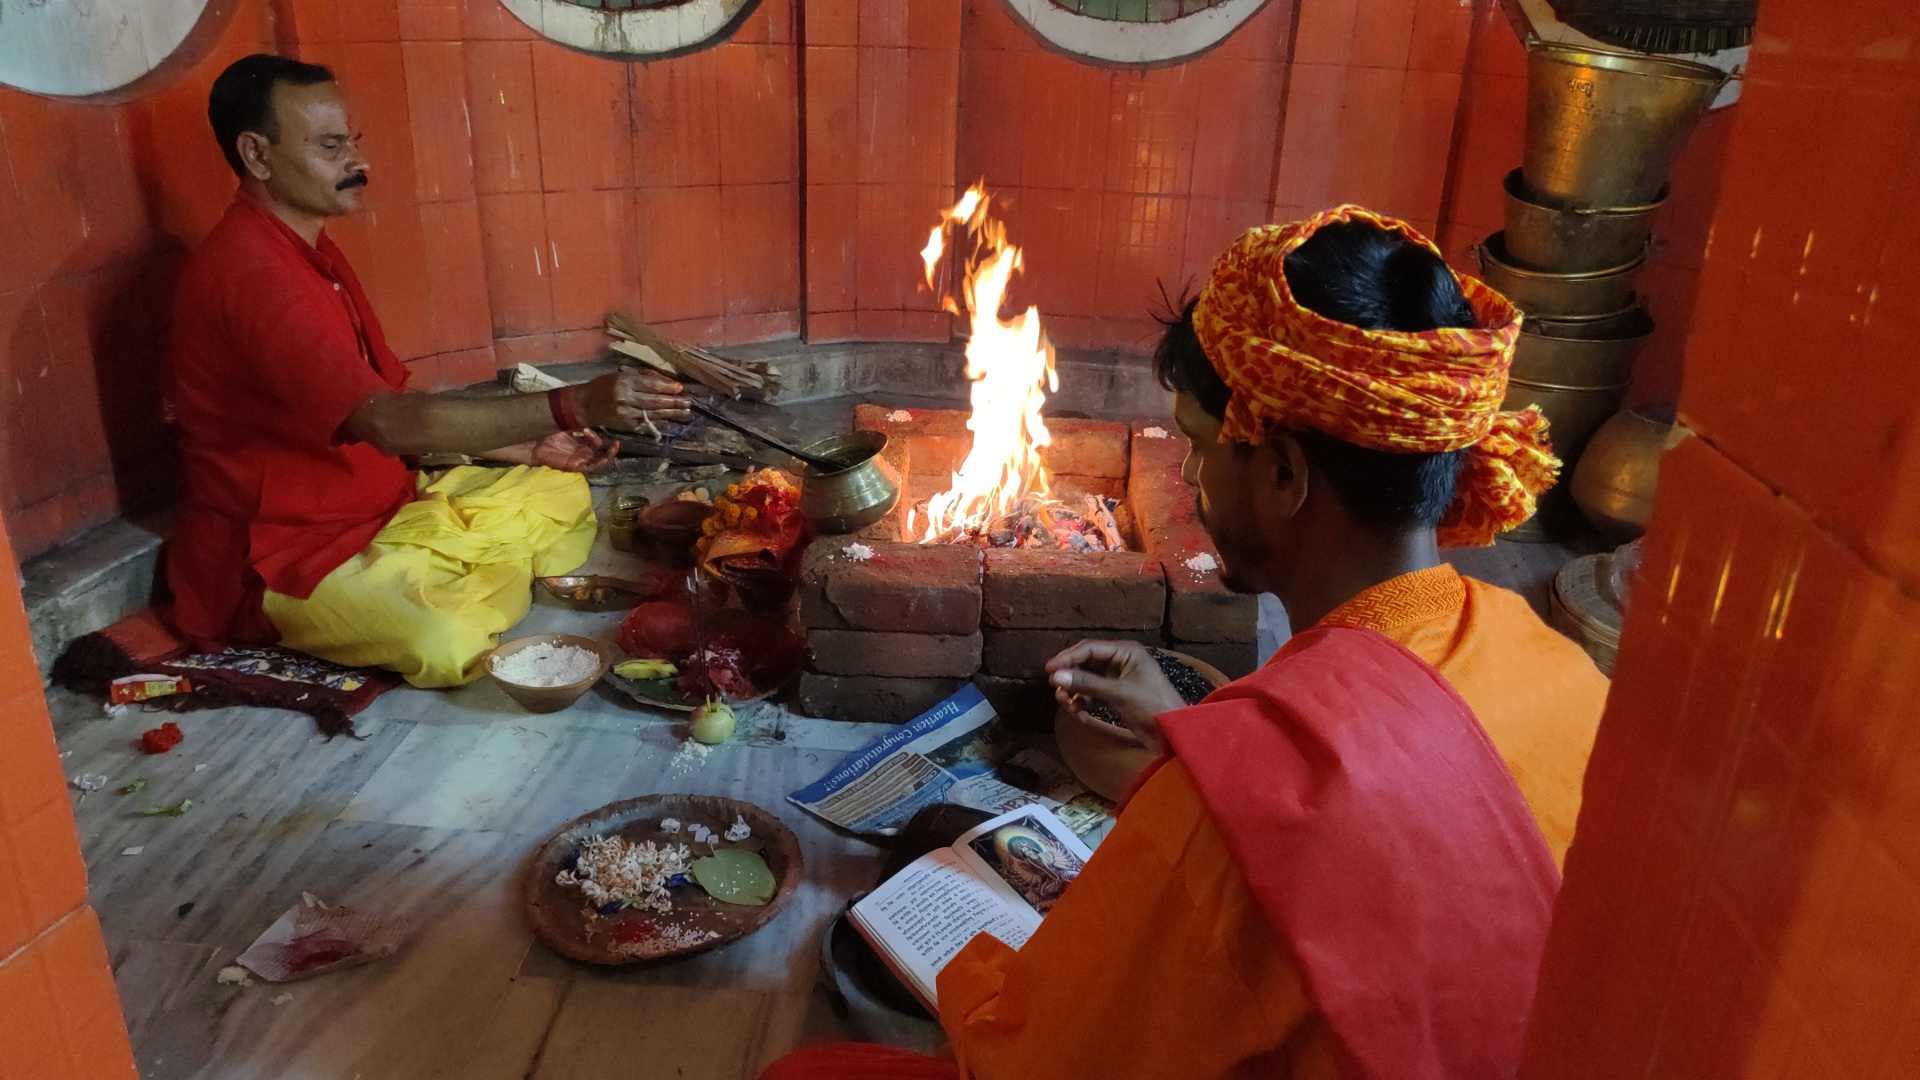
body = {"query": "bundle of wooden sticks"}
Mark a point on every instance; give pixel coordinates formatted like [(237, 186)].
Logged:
[(734, 378)]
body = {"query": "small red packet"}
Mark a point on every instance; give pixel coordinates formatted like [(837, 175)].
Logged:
[(161, 739), (136, 688)]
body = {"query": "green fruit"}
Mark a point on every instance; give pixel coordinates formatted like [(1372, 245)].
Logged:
[(713, 722)]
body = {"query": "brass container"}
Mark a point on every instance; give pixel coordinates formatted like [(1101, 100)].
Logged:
[(1540, 237), (1597, 292), (1585, 327), (1574, 413), (1546, 354), (1603, 127), (620, 520), (856, 496), (1617, 475)]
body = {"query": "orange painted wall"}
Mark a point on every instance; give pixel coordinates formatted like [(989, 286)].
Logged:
[(779, 184), (59, 1013), (1743, 898)]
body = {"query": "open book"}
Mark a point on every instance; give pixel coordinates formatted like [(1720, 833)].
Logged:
[(999, 878)]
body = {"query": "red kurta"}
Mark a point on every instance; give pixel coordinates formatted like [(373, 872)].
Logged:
[(274, 346)]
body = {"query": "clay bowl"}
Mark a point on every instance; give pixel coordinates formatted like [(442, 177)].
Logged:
[(564, 919), (1107, 757), (547, 699), (668, 530)]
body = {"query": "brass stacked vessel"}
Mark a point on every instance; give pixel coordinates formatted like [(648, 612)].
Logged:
[(1602, 131)]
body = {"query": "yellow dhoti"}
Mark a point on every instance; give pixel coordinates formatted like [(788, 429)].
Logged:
[(451, 572)]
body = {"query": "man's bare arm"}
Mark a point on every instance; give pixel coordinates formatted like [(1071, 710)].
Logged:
[(432, 424)]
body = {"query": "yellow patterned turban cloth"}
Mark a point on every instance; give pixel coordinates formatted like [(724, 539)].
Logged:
[(1427, 392)]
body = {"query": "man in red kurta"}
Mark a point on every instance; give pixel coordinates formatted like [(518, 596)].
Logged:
[(291, 407)]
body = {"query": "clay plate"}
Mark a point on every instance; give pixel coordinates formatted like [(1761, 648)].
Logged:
[(561, 915)]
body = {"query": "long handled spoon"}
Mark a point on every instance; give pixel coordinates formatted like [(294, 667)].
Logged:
[(813, 461)]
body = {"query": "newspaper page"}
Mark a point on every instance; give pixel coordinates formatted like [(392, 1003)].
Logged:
[(952, 753)]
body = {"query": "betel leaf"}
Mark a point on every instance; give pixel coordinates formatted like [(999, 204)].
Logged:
[(733, 876)]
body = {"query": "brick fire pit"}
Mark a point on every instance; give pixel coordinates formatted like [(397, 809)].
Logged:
[(893, 634)]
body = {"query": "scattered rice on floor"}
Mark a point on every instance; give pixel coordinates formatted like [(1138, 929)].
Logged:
[(1154, 433)]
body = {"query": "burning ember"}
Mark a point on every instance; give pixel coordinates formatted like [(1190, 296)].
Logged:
[(1002, 494)]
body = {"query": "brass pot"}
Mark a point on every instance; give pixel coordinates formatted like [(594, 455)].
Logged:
[(1585, 327), (1603, 127), (1541, 237), (1602, 358), (853, 497), (1617, 475), (1573, 413), (1597, 292)]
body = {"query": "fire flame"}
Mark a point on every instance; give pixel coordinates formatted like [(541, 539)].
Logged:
[(1010, 363)]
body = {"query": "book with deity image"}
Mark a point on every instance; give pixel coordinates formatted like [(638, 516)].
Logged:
[(1000, 878)]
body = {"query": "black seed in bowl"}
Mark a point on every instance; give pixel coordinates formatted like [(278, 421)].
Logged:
[(1188, 683)]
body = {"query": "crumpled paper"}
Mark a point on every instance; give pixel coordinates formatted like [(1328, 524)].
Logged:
[(313, 938)]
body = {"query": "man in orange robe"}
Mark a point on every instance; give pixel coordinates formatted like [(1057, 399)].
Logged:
[(1343, 403)]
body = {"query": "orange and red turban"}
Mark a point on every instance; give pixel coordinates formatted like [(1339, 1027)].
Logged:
[(1427, 392)]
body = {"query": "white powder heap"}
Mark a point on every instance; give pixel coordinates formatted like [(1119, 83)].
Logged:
[(545, 665), (1202, 563), (857, 552), (612, 868), (899, 416), (739, 830), (1154, 433)]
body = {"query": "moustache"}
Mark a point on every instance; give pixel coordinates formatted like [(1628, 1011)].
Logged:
[(357, 180)]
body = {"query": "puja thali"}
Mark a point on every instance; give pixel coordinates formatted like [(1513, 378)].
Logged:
[(686, 919)]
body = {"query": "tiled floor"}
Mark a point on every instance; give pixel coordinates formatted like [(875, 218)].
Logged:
[(428, 815)]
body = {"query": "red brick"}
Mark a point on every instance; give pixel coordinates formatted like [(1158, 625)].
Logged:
[(911, 656), (1234, 658), (871, 699), (933, 589), (1087, 447), (1120, 590), (1023, 654), (918, 421), (1199, 605)]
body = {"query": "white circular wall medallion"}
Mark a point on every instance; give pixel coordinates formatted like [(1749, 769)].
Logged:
[(76, 48), (633, 28), (1116, 38)]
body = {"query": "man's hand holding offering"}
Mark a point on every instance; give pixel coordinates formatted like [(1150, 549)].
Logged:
[(1121, 675)]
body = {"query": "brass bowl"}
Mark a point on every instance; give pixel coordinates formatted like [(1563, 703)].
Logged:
[(1603, 127), (547, 699), (856, 496), (593, 592), (1617, 475), (1542, 237), (667, 531), (1599, 354), (1597, 292)]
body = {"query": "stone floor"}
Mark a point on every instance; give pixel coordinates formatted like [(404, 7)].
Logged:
[(429, 816)]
